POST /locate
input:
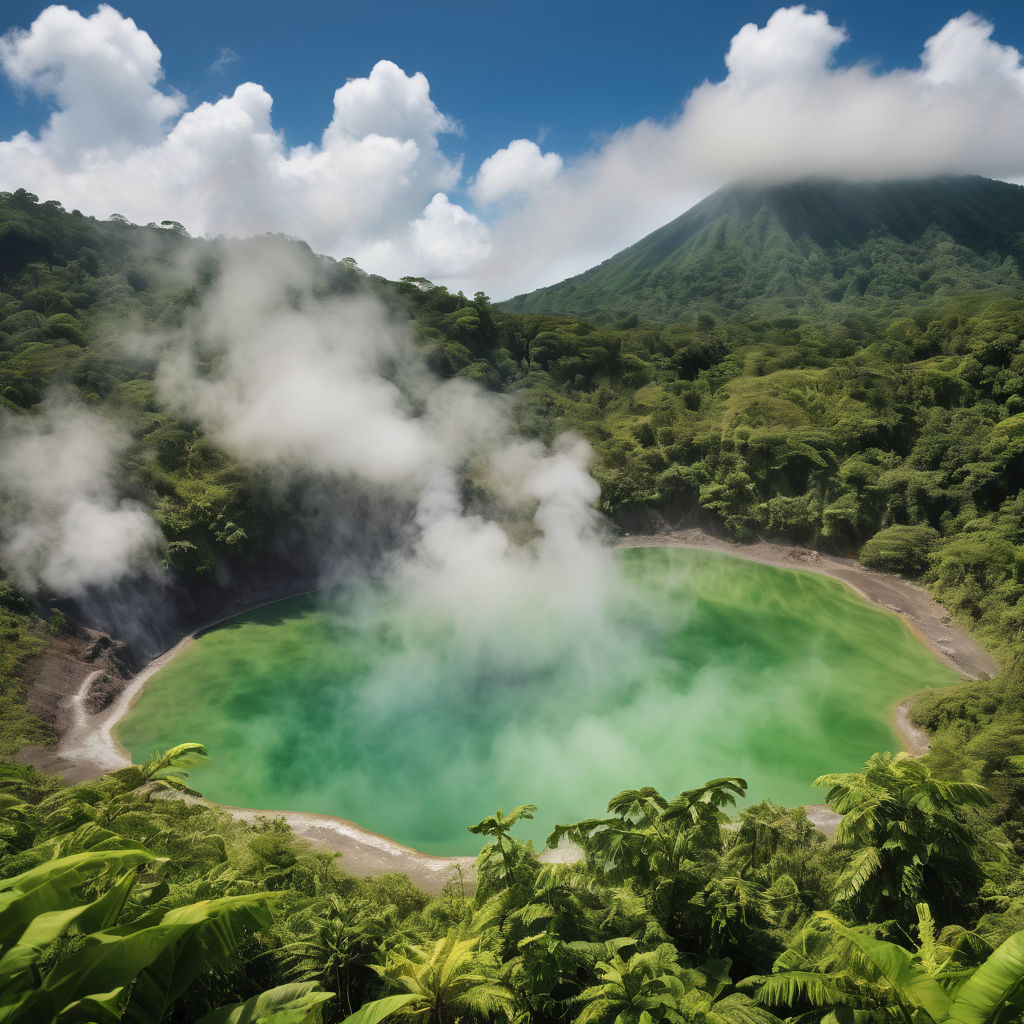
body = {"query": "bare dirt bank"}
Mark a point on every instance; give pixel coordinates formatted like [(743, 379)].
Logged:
[(71, 684)]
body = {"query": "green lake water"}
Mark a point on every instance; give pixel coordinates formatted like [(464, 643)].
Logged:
[(415, 721)]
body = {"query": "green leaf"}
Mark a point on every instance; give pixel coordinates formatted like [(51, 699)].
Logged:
[(198, 936), (286, 1004), (499, 823), (788, 987), (989, 989), (718, 793), (45, 928), (161, 956), (48, 886), (373, 1013), (909, 979), (102, 1008)]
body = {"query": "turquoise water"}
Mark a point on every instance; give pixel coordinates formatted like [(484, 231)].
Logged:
[(415, 720)]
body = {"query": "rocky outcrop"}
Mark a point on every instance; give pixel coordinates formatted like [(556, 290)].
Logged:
[(56, 674)]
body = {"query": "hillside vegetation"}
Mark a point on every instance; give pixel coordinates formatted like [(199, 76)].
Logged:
[(886, 421), (815, 248)]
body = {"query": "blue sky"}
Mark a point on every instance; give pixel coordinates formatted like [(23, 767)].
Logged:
[(573, 78), (565, 70)]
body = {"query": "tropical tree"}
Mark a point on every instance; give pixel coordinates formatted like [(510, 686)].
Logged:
[(653, 986), (337, 937), (443, 981), (552, 940), (782, 851), (872, 978), (564, 901), (769, 841), (910, 837), (498, 860), (733, 906), (648, 837), (647, 987), (669, 850), (164, 772)]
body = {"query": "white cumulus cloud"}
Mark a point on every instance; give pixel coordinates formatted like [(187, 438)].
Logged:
[(101, 72), (962, 110), (446, 235), (793, 44), (118, 143), (516, 170)]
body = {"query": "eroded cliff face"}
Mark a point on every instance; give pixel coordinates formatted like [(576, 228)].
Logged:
[(59, 672), (81, 673)]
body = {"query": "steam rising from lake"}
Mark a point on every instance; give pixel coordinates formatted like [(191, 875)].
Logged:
[(327, 393), (509, 591), (307, 384), (65, 526)]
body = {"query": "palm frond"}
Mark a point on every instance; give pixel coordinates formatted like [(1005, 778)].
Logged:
[(791, 988)]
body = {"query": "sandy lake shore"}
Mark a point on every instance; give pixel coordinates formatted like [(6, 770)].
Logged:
[(86, 747)]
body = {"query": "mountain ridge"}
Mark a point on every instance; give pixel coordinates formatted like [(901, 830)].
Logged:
[(806, 246)]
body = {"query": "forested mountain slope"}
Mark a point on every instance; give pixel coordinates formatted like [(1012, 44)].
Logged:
[(899, 438), (822, 248)]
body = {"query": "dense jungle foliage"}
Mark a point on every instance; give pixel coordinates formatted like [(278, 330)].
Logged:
[(116, 906), (890, 426)]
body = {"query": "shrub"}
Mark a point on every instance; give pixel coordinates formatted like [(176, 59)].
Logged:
[(902, 549)]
